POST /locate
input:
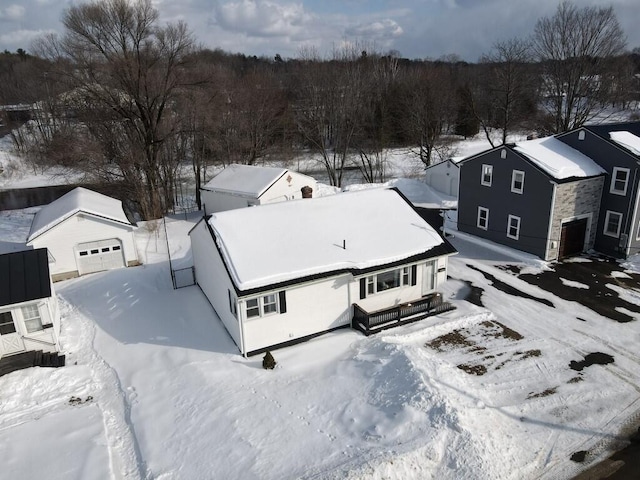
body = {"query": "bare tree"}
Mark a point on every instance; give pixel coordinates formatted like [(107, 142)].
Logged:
[(575, 46), (375, 136), (129, 70), (327, 108), (506, 87), (429, 105)]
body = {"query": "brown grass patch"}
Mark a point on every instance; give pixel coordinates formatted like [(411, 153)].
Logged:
[(473, 369), (545, 393)]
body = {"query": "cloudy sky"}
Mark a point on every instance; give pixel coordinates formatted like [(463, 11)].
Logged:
[(415, 28)]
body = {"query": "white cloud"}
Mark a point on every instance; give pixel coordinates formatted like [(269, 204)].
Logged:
[(261, 17), (382, 29), (22, 38), (12, 12)]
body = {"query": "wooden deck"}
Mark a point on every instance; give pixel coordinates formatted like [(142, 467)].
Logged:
[(24, 360), (373, 322)]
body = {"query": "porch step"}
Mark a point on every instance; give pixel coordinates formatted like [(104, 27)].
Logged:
[(36, 358), (53, 359)]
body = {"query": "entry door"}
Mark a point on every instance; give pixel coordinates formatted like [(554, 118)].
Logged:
[(10, 340), (99, 256), (429, 278)]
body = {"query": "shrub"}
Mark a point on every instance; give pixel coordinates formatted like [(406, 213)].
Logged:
[(268, 362)]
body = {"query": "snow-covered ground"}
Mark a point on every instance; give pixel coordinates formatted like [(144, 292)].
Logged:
[(154, 388)]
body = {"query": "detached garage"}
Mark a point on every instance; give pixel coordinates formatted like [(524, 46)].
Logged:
[(85, 232)]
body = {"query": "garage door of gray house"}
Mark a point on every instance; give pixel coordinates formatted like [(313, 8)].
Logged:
[(98, 256), (572, 238)]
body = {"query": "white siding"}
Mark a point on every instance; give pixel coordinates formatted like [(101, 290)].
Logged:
[(220, 201), (212, 278), (46, 339), (311, 308), (281, 190), (403, 294), (443, 177), (61, 240)]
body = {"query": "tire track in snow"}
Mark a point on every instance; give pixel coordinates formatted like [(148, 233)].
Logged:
[(124, 450)]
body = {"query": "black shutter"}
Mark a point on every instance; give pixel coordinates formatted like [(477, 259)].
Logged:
[(363, 288), (283, 301), (414, 274), (230, 301)]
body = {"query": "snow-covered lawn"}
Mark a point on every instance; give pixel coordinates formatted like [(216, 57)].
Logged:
[(155, 388)]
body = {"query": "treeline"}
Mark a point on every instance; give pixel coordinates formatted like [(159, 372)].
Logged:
[(129, 101)]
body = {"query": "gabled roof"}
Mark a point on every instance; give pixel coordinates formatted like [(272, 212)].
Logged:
[(249, 180), (627, 140), (24, 276), (292, 241), (77, 200), (558, 159)]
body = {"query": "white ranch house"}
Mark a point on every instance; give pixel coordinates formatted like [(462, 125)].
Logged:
[(85, 232), (239, 186), (29, 319), (283, 273)]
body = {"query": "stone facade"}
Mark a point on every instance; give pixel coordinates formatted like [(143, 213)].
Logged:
[(575, 200)]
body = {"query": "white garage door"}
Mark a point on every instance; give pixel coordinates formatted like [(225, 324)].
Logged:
[(98, 256)]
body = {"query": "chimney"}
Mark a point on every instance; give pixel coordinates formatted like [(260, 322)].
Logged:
[(307, 191)]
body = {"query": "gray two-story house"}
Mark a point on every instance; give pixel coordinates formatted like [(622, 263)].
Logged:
[(616, 148), (539, 196)]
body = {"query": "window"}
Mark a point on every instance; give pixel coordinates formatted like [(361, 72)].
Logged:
[(383, 281), (513, 227), (266, 305), (487, 175), (269, 304), (517, 181), (94, 251), (483, 218), (612, 224), (581, 135), (105, 249), (619, 181), (503, 153), (84, 253), (253, 308), (6, 323), (115, 248), (32, 320)]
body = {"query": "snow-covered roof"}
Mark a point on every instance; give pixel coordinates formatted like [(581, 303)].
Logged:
[(77, 200), (285, 241), (245, 179), (558, 159), (628, 140)]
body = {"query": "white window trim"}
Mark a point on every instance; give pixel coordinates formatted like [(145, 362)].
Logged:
[(261, 306), (612, 188), (638, 231), (482, 181), (517, 235), (606, 224), (26, 319), (403, 272), (513, 182), (486, 223)]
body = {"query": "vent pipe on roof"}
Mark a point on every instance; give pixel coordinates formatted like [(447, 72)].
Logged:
[(307, 191)]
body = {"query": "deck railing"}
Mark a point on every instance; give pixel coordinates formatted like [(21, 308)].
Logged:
[(372, 322)]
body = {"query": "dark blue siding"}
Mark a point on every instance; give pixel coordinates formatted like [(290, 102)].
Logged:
[(608, 156), (533, 206)]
